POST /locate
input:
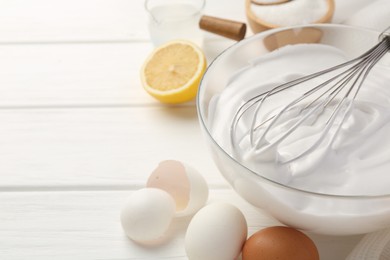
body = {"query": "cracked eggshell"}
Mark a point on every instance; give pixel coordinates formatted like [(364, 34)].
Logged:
[(184, 183)]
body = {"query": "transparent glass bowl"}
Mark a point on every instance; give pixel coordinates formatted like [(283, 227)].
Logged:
[(309, 211)]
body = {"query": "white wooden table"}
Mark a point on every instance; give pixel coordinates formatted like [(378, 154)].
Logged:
[(78, 133)]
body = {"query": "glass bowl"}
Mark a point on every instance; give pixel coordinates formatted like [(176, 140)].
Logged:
[(312, 212)]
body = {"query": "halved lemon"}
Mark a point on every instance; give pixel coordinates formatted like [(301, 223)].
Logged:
[(173, 71)]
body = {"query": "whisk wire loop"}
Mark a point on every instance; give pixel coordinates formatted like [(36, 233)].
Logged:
[(321, 96)]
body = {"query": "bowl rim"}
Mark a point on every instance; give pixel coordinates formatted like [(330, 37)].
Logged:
[(249, 171)]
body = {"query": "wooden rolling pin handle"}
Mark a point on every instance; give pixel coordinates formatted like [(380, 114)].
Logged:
[(227, 28)]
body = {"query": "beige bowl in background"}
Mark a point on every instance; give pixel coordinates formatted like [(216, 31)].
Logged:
[(258, 25)]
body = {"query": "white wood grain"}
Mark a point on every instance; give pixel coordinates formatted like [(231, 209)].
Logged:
[(97, 146), (53, 54), (78, 74), (72, 74), (53, 21), (82, 225), (78, 133), (85, 225), (72, 20), (85, 155)]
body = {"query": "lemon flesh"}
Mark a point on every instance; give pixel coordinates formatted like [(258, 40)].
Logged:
[(173, 71)]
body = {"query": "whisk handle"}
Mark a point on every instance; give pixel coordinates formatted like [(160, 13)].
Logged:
[(384, 34)]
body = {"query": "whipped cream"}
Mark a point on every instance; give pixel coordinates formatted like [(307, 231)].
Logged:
[(356, 163)]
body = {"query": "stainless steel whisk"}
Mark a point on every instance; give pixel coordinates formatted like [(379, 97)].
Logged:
[(337, 92)]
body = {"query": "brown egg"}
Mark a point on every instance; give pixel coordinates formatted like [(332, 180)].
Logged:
[(279, 243)]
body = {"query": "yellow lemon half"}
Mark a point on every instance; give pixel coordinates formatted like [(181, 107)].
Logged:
[(173, 71)]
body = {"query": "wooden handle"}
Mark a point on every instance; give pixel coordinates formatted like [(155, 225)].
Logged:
[(227, 28)]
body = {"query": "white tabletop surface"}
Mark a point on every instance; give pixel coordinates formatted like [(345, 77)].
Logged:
[(78, 133)]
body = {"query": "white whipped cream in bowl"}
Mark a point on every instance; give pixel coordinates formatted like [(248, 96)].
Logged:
[(341, 190)]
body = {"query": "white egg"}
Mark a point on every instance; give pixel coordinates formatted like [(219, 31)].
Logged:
[(147, 214), (184, 183), (217, 232)]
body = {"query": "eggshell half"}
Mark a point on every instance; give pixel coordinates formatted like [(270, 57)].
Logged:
[(217, 231), (184, 183)]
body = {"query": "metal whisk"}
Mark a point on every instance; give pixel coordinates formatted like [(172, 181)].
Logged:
[(322, 105)]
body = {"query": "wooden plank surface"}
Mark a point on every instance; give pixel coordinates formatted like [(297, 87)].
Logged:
[(85, 225), (40, 21), (78, 133), (64, 74), (98, 146), (57, 21)]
